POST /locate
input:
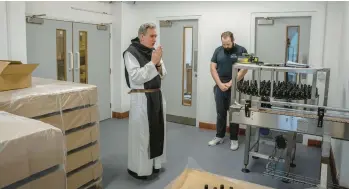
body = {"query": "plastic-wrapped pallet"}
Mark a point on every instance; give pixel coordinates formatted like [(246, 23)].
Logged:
[(32, 154), (71, 107)]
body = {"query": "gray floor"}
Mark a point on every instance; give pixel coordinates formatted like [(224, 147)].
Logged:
[(187, 146)]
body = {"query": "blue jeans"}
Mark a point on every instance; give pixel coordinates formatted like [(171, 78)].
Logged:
[(222, 99)]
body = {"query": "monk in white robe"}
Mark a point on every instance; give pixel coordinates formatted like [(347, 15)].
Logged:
[(144, 70)]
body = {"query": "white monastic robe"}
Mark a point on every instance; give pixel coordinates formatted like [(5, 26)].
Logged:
[(139, 160)]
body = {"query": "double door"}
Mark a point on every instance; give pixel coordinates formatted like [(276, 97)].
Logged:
[(75, 52)]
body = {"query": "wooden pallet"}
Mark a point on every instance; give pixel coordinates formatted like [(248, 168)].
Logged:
[(95, 185)]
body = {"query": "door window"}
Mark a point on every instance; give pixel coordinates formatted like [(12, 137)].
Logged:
[(187, 66), (60, 54), (83, 56), (292, 49)]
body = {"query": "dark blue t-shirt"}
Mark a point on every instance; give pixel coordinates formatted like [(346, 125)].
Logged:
[(225, 61)]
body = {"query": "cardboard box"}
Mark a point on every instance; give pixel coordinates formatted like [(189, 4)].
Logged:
[(73, 119), (85, 175), (192, 178), (15, 75), (47, 96), (82, 157), (55, 180), (82, 137), (27, 147)]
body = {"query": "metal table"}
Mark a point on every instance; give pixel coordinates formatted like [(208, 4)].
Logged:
[(311, 119)]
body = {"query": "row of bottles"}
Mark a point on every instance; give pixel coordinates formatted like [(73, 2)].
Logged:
[(281, 90), (221, 187)]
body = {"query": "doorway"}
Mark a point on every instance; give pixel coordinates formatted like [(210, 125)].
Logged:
[(179, 39), (75, 52), (283, 39)]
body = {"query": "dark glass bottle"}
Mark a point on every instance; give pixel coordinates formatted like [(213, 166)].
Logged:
[(309, 93), (243, 87), (221, 187), (284, 94), (277, 91), (247, 88), (206, 186), (291, 95), (239, 85), (262, 93), (298, 95), (255, 89)]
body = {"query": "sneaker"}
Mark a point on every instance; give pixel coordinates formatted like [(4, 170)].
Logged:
[(234, 145), (216, 141)]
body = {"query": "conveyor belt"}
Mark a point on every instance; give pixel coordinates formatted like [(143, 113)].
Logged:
[(302, 114), (292, 120)]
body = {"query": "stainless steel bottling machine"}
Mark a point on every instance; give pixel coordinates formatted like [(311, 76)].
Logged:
[(290, 108)]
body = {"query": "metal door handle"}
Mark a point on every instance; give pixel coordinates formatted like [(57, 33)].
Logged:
[(71, 60), (78, 61)]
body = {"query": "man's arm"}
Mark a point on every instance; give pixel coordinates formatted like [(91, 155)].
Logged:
[(139, 75), (215, 76), (214, 73), (241, 74)]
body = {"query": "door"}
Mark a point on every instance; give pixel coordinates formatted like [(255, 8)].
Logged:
[(180, 42), (283, 39), (74, 52), (92, 61), (49, 44)]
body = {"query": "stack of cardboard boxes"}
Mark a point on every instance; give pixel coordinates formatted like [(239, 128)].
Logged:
[(31, 154), (71, 107)]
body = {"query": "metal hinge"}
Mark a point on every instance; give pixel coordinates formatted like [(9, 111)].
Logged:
[(110, 105), (109, 70)]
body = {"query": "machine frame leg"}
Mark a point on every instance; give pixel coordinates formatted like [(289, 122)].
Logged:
[(247, 149), (294, 151), (325, 160), (256, 148), (288, 158)]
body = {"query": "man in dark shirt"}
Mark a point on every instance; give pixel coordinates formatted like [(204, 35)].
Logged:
[(221, 70)]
